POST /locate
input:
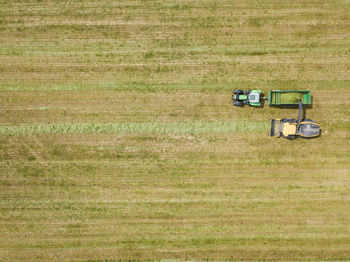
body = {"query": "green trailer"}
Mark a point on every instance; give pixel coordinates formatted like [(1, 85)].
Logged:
[(289, 97)]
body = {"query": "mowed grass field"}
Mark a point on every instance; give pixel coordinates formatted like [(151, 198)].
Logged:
[(118, 139)]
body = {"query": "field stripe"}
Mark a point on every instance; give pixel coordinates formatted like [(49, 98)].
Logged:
[(167, 87), (138, 127)]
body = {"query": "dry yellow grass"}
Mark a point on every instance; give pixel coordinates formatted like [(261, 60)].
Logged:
[(160, 195), (168, 196)]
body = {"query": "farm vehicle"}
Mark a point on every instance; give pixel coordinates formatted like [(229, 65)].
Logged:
[(288, 128), (275, 97), (291, 128)]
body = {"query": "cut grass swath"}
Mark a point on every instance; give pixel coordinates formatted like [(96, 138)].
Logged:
[(137, 127)]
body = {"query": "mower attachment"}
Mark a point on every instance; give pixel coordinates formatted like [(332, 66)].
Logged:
[(275, 128)]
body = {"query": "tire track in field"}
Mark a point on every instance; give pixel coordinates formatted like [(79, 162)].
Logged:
[(37, 150)]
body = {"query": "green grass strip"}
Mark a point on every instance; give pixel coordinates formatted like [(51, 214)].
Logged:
[(137, 127)]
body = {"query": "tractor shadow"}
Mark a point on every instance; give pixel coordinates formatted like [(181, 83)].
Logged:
[(263, 101)]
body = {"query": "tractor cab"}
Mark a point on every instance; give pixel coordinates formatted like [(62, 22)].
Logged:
[(254, 98), (308, 128)]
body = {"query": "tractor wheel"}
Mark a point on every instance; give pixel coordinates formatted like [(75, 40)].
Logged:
[(238, 92), (237, 103)]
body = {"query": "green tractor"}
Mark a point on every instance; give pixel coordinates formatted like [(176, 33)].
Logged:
[(249, 97), (290, 128)]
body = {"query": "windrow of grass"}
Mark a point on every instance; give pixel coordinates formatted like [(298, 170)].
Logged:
[(137, 127)]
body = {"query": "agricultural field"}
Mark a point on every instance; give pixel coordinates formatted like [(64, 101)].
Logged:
[(118, 139)]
